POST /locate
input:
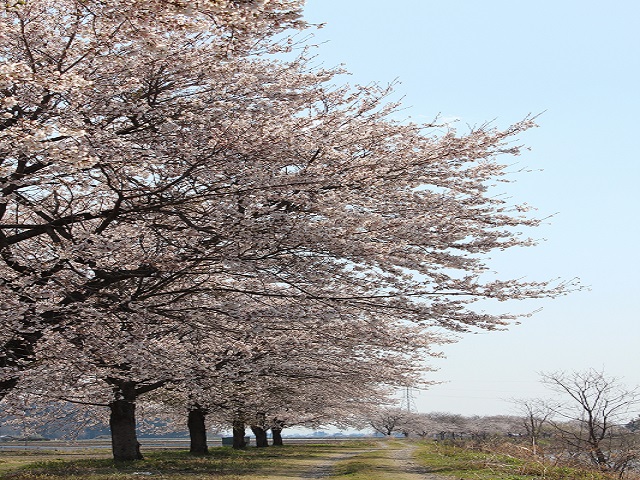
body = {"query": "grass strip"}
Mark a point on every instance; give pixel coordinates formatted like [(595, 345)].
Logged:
[(465, 464), (222, 463)]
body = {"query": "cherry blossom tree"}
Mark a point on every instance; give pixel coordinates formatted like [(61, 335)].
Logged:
[(110, 366), (162, 176), (324, 369), (388, 420), (72, 73)]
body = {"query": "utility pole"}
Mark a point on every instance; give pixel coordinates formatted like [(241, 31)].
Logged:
[(408, 402)]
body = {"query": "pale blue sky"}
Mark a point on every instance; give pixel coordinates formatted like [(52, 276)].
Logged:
[(578, 62)]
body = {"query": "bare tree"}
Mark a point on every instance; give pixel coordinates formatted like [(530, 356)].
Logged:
[(591, 421), (535, 417)]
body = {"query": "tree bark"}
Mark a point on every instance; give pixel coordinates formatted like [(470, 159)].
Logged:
[(261, 436), (276, 433), (238, 435), (123, 430), (599, 456), (197, 431)]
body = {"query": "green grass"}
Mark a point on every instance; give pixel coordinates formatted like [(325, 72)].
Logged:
[(345, 461), (222, 463), (465, 464), (12, 460), (168, 463)]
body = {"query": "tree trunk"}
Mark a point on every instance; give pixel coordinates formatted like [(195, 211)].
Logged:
[(198, 431), (276, 433), (122, 421), (123, 430), (600, 457), (261, 436), (238, 435)]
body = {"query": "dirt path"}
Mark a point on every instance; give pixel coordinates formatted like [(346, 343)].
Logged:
[(404, 462), (401, 465), (325, 468)]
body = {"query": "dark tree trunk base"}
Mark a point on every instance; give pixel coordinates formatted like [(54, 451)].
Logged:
[(123, 431), (261, 436), (238, 435), (276, 433), (197, 432)]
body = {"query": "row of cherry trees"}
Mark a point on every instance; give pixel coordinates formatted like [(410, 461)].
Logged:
[(185, 217)]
